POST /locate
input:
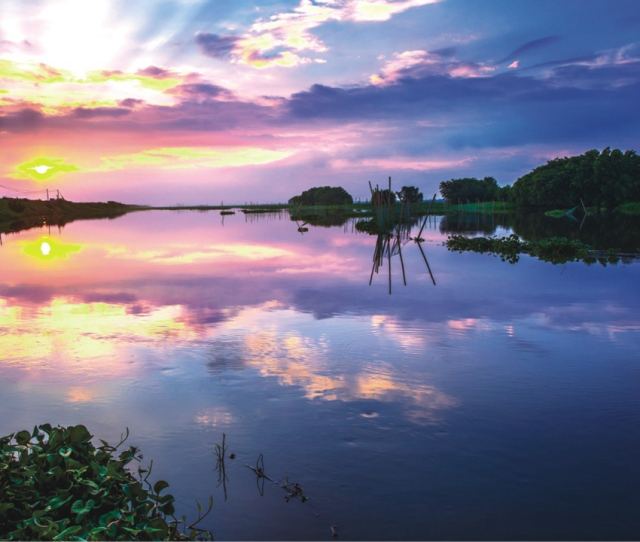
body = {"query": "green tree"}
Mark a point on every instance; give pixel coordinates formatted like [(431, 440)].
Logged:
[(323, 195), (469, 188), (410, 194), (606, 178)]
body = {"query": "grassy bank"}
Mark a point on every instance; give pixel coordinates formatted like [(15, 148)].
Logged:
[(19, 214)]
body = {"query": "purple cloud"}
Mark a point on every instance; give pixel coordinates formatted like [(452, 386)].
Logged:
[(215, 45), (97, 112), (528, 47), (156, 72)]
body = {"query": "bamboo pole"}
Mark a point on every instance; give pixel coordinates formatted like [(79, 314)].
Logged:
[(389, 257), (404, 278), (425, 218), (425, 261)]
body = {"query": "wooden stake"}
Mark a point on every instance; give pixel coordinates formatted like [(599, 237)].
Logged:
[(389, 257), (404, 278), (425, 218), (425, 261)]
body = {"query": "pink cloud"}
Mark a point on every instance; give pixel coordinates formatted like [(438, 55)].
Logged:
[(422, 63)]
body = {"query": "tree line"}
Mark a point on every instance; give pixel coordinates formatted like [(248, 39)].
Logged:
[(336, 195), (605, 178), (472, 190)]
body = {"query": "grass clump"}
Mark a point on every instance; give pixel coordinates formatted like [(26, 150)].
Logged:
[(632, 208), (56, 485), (555, 213)]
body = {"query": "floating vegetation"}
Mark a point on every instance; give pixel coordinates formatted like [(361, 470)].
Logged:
[(293, 490), (227, 212), (369, 226), (220, 452), (555, 213), (257, 211), (556, 250), (56, 485)]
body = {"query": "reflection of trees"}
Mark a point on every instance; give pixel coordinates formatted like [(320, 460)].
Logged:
[(602, 233), (486, 223)]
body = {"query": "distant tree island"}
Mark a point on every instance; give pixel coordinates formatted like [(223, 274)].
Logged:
[(323, 195)]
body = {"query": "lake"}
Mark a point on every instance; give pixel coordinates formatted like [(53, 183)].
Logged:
[(500, 403)]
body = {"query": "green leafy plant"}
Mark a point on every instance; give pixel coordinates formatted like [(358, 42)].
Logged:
[(56, 485)]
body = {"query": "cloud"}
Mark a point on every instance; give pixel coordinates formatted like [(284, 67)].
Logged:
[(380, 10), (156, 72), (7, 46), (98, 112), (22, 121), (419, 63), (193, 158), (200, 90), (131, 103), (215, 45), (532, 45), (285, 39)]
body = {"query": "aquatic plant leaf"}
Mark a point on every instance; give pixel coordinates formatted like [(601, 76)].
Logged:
[(159, 486)]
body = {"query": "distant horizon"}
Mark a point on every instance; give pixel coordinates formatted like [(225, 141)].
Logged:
[(208, 101)]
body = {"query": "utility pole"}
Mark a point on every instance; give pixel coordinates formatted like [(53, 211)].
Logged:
[(47, 194)]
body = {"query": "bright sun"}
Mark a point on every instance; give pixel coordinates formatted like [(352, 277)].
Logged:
[(43, 168)]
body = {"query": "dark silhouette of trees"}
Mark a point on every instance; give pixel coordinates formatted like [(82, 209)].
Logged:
[(470, 188), (323, 195), (600, 179), (410, 194)]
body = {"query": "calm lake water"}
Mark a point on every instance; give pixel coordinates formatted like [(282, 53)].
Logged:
[(501, 403)]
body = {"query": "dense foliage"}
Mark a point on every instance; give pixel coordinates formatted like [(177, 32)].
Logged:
[(471, 189), (410, 194), (56, 485), (323, 195), (601, 179)]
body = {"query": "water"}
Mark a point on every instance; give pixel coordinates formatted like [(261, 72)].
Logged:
[(500, 403)]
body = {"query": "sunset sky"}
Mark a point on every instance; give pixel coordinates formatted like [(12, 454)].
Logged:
[(203, 101)]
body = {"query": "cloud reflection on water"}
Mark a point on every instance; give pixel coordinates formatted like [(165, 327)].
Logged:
[(258, 297)]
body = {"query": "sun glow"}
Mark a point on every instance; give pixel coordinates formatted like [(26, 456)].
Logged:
[(43, 168), (47, 249)]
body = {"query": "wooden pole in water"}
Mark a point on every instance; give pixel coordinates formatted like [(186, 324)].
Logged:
[(404, 278), (425, 261), (389, 256), (585, 209), (389, 207), (425, 218)]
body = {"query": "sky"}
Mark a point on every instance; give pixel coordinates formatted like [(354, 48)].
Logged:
[(208, 101)]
